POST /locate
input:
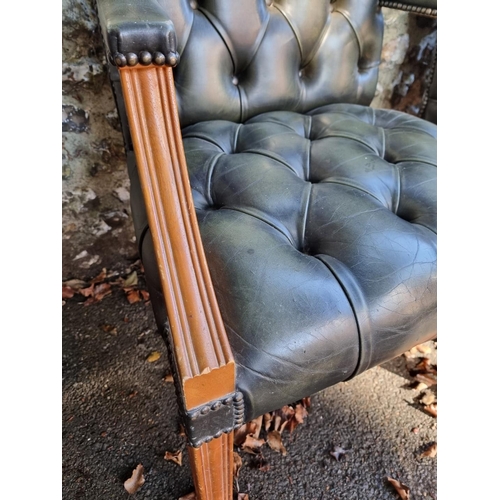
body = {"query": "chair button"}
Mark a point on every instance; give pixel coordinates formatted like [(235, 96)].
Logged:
[(235, 80)]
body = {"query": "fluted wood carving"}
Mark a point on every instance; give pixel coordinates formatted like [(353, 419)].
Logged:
[(212, 468), (201, 349)]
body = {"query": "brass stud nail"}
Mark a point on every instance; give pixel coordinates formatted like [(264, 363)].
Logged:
[(145, 57), (120, 60)]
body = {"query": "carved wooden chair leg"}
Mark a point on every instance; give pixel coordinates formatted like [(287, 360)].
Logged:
[(212, 468)]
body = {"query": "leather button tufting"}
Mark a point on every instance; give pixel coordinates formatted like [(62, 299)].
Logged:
[(235, 80), (193, 4), (301, 73), (269, 3)]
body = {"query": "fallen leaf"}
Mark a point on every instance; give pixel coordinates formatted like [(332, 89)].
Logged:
[(258, 426), (423, 348), (428, 379), (145, 295), (252, 445), (109, 329), (168, 378), (133, 483), (67, 292), (267, 421), (154, 356), (175, 457), (237, 464), (425, 366), (430, 451), (75, 284), (87, 292), (402, 489), (100, 277), (274, 442), (189, 496), (337, 452), (133, 296), (432, 409), (420, 387), (130, 280), (243, 496), (306, 402), (300, 414), (428, 398), (102, 290)]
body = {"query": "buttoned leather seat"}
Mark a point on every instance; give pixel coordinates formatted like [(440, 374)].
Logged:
[(320, 234)]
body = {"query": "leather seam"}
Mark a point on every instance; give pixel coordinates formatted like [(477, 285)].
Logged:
[(292, 27), (358, 40), (210, 176), (306, 214), (397, 201), (356, 318), (334, 181), (242, 211)]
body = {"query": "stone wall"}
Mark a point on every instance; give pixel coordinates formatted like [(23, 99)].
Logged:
[(97, 228)]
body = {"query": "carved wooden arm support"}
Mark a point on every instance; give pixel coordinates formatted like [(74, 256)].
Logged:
[(203, 363)]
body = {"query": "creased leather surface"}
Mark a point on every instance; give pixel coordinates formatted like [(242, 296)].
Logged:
[(320, 235), (242, 58)]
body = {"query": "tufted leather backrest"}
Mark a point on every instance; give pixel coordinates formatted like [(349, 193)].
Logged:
[(240, 58)]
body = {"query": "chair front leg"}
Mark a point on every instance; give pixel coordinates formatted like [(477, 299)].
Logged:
[(212, 468)]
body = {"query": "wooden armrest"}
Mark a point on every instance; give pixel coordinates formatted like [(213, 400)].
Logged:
[(202, 355)]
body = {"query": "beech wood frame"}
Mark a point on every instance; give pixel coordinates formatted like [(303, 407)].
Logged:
[(204, 367)]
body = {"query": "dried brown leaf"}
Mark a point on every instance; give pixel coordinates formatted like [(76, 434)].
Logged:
[(67, 292), (189, 496), (274, 442), (154, 356), (100, 277), (430, 451), (300, 413), (419, 387), (75, 284), (168, 378), (423, 348), (133, 296), (102, 290), (306, 402), (402, 489), (237, 464), (268, 418), (337, 452), (425, 366), (428, 398), (240, 434), (134, 483), (109, 329), (432, 409), (258, 426), (145, 295), (130, 280), (175, 457), (428, 379), (87, 292), (252, 445)]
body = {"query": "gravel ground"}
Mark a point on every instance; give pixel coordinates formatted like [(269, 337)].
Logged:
[(119, 412)]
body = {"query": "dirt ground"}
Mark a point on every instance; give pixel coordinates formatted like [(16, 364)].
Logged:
[(118, 412)]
